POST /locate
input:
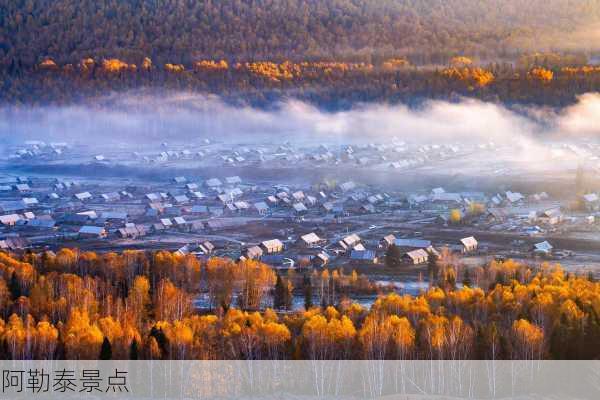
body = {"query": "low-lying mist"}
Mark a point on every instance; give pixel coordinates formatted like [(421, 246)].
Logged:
[(183, 117)]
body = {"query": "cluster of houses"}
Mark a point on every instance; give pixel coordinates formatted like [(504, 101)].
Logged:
[(39, 211), (352, 249)]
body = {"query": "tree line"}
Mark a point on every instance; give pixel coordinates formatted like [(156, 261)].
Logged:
[(139, 305), (543, 80)]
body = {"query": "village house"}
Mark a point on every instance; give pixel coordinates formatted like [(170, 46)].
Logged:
[(311, 240), (131, 231), (10, 219), (321, 259), (514, 197), (298, 196), (261, 207), (206, 247), (551, 217), (416, 257), (30, 201), (22, 187), (253, 253), (386, 241), (111, 197), (241, 206), (180, 222), (181, 199), (88, 231), (350, 242), (411, 243), (213, 183), (543, 248), (299, 208), (197, 195), (469, 244), (166, 223), (233, 180), (363, 256), (272, 246), (84, 196)]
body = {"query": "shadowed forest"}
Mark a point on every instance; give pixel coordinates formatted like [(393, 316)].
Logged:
[(331, 53)]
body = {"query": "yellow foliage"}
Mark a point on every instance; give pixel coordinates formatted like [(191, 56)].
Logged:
[(147, 63), (460, 61), (48, 63), (471, 76), (455, 216), (395, 63), (541, 74), (211, 65), (116, 65), (174, 67)]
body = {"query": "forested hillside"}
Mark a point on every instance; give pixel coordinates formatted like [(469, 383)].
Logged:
[(180, 31), (332, 53)]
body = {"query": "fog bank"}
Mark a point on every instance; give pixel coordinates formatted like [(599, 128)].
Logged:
[(146, 119)]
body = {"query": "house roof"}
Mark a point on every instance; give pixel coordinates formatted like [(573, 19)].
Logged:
[(469, 241), (114, 215), (272, 243), (299, 207), (449, 197), (261, 206), (323, 256), (514, 196), (181, 198), (83, 196), (153, 197), (30, 201), (351, 240), (233, 180), (92, 230), (543, 246), (362, 255), (254, 252), (311, 238), (213, 182), (412, 243), (9, 219), (417, 254), (389, 238), (180, 220), (112, 196), (241, 205)]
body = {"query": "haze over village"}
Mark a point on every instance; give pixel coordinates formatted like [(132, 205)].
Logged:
[(310, 200)]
